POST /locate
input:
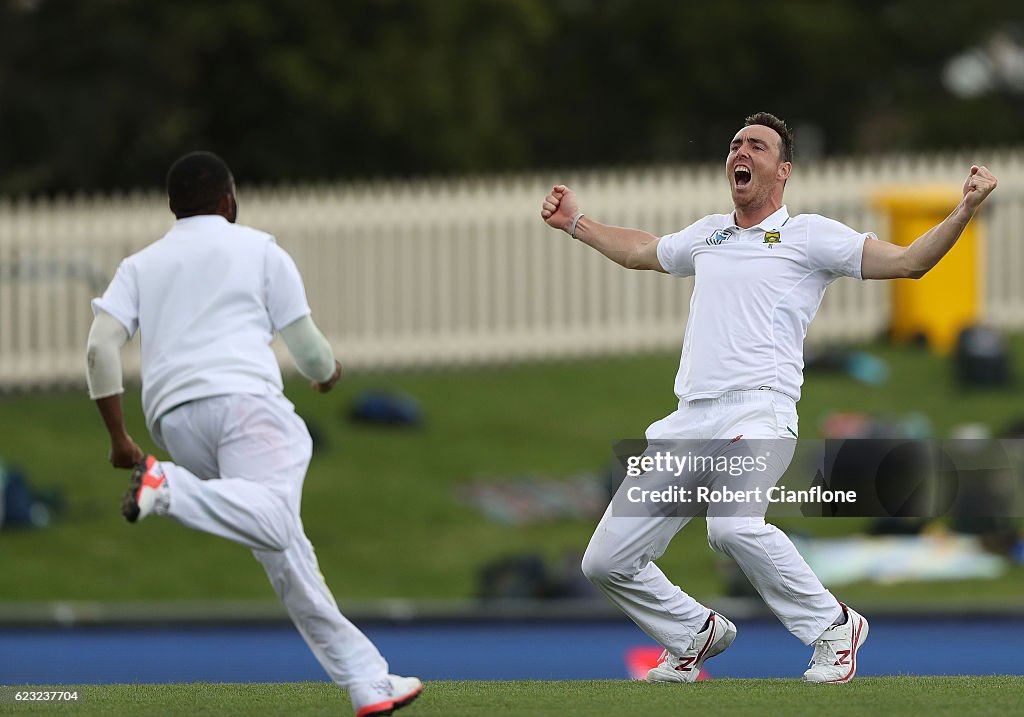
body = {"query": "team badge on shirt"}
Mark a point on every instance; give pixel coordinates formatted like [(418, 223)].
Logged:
[(719, 237), (771, 238)]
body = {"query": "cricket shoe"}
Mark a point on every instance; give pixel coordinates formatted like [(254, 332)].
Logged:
[(384, 696), (711, 641), (147, 488), (835, 653)]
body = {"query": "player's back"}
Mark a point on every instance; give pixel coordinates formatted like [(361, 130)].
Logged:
[(203, 317)]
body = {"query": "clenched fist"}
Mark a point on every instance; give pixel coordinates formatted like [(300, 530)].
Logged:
[(980, 183), (559, 208), (124, 452)]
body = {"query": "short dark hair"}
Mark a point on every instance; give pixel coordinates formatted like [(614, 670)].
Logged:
[(196, 183), (771, 121)]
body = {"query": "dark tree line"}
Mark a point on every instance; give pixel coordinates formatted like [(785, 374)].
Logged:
[(106, 93)]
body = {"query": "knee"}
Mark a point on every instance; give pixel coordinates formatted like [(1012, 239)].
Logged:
[(272, 540), (279, 541), (275, 541), (598, 566), (725, 534)]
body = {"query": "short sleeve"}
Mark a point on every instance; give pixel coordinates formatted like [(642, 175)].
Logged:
[(121, 299), (834, 247), (675, 252), (286, 295)]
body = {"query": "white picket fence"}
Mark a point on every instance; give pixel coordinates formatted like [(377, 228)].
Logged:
[(443, 272)]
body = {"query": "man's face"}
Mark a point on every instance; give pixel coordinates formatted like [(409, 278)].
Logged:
[(754, 165)]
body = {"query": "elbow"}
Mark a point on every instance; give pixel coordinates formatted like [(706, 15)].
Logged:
[(94, 353), (636, 260)]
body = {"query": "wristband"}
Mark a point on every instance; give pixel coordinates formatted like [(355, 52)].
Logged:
[(575, 221)]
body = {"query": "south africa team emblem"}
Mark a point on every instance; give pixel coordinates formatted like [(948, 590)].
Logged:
[(771, 238)]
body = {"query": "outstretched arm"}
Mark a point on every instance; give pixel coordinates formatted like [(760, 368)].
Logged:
[(882, 260), (631, 248)]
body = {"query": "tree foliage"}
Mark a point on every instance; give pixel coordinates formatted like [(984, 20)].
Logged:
[(107, 93)]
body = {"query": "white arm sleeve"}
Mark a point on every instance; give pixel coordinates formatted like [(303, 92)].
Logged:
[(103, 356), (312, 354)]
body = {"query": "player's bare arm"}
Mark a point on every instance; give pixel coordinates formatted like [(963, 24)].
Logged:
[(124, 452), (631, 248), (882, 260)]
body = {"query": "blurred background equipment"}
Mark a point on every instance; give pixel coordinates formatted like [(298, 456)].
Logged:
[(23, 505), (527, 576), (982, 358), (521, 500), (860, 365), (385, 408)]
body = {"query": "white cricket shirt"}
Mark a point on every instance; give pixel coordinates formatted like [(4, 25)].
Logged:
[(206, 299), (756, 291)]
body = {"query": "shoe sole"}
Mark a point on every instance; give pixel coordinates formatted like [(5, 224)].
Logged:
[(396, 705), (129, 506)]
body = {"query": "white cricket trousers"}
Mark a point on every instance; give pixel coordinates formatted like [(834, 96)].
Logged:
[(619, 559), (239, 464)]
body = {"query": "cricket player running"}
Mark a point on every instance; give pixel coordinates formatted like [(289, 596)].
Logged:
[(207, 299), (760, 276)]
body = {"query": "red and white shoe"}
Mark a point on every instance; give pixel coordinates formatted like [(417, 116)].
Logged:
[(835, 652), (146, 489), (713, 640), (384, 696)]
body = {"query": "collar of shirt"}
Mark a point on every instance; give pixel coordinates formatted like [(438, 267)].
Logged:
[(770, 222), (201, 220)]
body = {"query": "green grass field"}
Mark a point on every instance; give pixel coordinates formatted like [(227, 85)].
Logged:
[(932, 696), (379, 504)]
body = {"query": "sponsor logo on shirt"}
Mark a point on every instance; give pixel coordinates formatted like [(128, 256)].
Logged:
[(720, 236), (772, 238)]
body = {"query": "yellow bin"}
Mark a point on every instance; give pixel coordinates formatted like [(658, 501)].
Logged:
[(939, 305)]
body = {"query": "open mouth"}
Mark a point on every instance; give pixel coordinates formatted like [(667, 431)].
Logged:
[(742, 176)]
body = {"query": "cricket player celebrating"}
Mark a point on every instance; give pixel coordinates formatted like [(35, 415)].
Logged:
[(760, 277), (207, 299)]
